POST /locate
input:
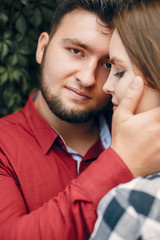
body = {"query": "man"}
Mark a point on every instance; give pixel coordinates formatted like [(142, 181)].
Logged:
[(53, 166)]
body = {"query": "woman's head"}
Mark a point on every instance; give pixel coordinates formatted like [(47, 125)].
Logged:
[(136, 44)]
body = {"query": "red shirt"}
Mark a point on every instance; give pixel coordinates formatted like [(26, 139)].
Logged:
[(41, 196)]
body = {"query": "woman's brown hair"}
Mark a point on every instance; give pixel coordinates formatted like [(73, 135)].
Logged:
[(138, 26)]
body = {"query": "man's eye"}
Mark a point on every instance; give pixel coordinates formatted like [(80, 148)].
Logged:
[(119, 74), (75, 51), (107, 65)]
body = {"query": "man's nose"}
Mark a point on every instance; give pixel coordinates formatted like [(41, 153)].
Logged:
[(87, 73)]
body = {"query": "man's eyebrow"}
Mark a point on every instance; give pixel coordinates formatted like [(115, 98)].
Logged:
[(77, 42)]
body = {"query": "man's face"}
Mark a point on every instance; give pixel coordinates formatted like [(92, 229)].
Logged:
[(74, 67)]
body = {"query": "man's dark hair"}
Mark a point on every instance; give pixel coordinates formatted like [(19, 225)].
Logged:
[(104, 9)]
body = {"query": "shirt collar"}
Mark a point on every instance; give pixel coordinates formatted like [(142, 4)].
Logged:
[(105, 135), (42, 131), (46, 135)]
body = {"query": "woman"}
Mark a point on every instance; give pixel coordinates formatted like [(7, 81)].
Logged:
[(132, 210)]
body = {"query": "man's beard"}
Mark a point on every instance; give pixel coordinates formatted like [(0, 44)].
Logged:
[(69, 115), (58, 108)]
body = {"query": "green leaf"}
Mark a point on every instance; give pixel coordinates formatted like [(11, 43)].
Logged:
[(47, 13), (19, 38), (36, 18), (2, 69), (10, 73), (25, 73), (16, 75), (7, 35), (11, 101), (13, 59), (17, 98), (24, 85), (25, 2), (10, 97), (4, 50), (9, 43), (24, 50), (3, 18), (21, 25), (3, 78), (22, 60)]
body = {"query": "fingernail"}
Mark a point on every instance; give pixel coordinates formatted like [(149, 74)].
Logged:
[(136, 82)]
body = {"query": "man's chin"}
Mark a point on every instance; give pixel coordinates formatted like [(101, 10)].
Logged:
[(73, 115), (75, 118)]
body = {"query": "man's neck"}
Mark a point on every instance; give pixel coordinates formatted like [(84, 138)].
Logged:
[(79, 137)]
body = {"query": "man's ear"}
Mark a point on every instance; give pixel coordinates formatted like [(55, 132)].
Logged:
[(42, 43)]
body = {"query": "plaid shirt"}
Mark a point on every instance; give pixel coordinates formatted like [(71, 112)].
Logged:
[(130, 211)]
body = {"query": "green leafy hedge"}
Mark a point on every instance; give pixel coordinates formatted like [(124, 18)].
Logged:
[(21, 22)]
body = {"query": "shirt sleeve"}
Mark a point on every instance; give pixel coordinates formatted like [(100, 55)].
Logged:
[(70, 215), (133, 206)]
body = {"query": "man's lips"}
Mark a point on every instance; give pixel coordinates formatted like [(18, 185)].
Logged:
[(78, 93)]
